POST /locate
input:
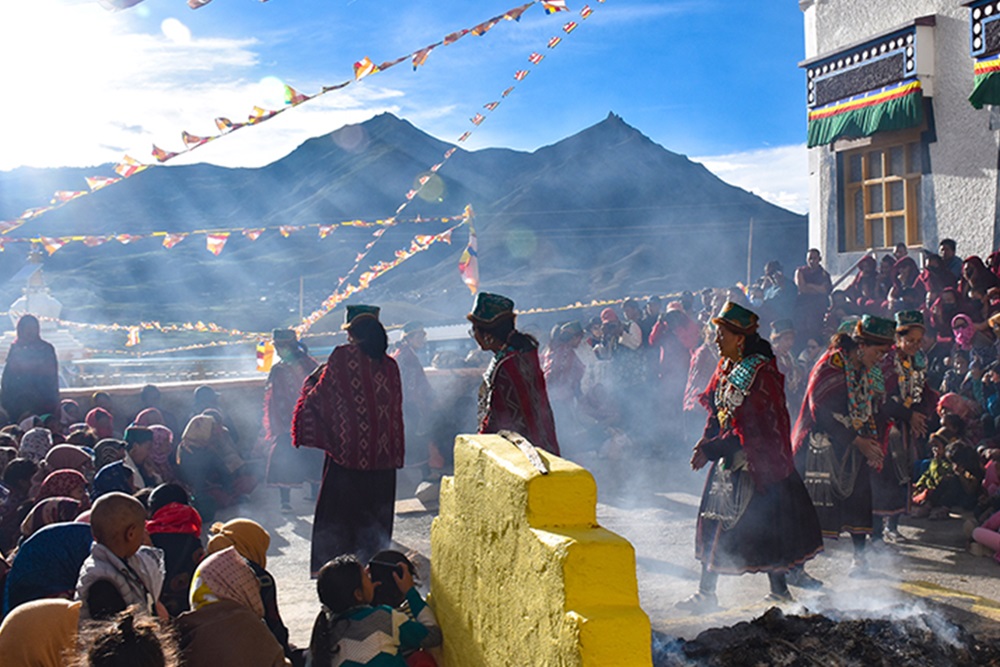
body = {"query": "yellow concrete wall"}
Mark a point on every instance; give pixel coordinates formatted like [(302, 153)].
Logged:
[(522, 575)]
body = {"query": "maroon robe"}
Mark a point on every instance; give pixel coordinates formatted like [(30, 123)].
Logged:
[(513, 397)]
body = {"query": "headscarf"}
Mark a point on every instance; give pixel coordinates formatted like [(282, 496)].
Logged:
[(226, 576), (959, 405), (175, 518), (198, 432), (105, 430), (65, 407), (961, 326), (108, 451), (35, 444), (163, 451), (247, 536), (982, 278), (63, 483), (149, 417), (609, 315), (47, 564), (113, 477), (38, 633), (68, 457), (29, 422), (58, 509)]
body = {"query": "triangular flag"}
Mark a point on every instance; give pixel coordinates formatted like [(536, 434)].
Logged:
[(63, 196), (253, 234), (491, 106), (554, 42), (97, 182), (569, 27), (129, 167), (520, 74), (364, 67), (451, 151), (455, 36), (420, 57), (226, 125), (162, 155), (515, 14), (94, 241), (192, 140), (326, 230), (464, 136), (586, 11), (216, 242), (125, 239), (485, 27), (294, 97), (477, 119), (535, 58), (507, 92), (51, 245), (170, 240), (468, 263), (553, 6), (286, 230), (259, 115)]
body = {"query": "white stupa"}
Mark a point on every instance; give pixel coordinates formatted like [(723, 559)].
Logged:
[(37, 300)]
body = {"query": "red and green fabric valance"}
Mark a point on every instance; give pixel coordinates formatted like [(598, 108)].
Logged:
[(894, 107), (986, 86)]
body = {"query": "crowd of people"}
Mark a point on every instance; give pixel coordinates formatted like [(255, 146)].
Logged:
[(830, 410)]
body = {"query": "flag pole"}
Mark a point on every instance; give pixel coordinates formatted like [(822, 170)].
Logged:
[(750, 256)]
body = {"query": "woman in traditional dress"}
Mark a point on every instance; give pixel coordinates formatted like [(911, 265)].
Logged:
[(286, 466), (30, 381), (838, 437), (909, 404), (755, 513), (512, 396), (352, 408)]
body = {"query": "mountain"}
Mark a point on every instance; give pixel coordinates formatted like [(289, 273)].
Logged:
[(603, 213)]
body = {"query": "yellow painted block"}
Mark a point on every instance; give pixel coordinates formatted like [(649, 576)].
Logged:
[(522, 575)]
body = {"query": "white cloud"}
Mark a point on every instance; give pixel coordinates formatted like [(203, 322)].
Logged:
[(779, 175), (82, 86)]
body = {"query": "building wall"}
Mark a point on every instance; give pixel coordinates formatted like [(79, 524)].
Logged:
[(959, 195)]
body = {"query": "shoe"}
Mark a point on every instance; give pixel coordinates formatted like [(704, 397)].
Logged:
[(893, 536), (699, 602), (286, 508), (802, 579), (979, 550), (779, 598)]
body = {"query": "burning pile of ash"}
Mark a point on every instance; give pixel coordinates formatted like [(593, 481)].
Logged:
[(907, 637)]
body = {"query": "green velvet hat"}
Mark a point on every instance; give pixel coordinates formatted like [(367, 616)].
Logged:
[(488, 308), (909, 318), (737, 319), (286, 336), (573, 328), (877, 330), (357, 312), (412, 325), (849, 326), (781, 326)]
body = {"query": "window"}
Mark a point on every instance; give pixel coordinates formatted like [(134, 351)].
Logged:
[(880, 184)]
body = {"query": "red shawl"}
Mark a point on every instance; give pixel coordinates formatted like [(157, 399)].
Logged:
[(516, 400), (761, 423), (826, 381), (281, 393), (354, 412)]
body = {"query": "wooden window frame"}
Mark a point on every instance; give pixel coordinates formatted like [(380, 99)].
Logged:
[(910, 142)]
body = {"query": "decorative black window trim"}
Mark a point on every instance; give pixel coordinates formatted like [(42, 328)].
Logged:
[(984, 27)]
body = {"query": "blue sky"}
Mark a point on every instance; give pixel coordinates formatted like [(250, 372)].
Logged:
[(714, 80)]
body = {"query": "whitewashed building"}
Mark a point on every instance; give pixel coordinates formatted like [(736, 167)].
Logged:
[(898, 152)]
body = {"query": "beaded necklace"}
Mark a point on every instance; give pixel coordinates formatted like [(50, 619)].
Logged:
[(912, 373), (864, 389), (735, 379)]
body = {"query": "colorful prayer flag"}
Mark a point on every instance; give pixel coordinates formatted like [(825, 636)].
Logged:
[(420, 57), (95, 183), (455, 36), (216, 242), (520, 74), (326, 230), (464, 136), (226, 125), (507, 92), (553, 6), (448, 153), (129, 167), (535, 58), (265, 355), (586, 11), (259, 115), (468, 263), (363, 68), (94, 241), (554, 42), (477, 119), (51, 245), (162, 155), (193, 140), (170, 240), (515, 14), (253, 234), (485, 27), (125, 239), (63, 196), (294, 97), (491, 106), (133, 337), (569, 27), (286, 230)]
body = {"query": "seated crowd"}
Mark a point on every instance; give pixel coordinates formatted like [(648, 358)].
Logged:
[(110, 555)]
